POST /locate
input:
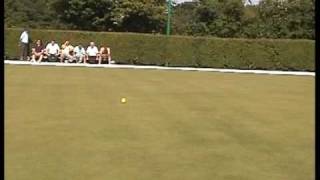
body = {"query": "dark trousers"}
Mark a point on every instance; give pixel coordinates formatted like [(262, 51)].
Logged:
[(92, 60), (24, 51), (52, 58)]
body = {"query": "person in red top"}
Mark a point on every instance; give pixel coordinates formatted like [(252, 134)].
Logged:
[(37, 51)]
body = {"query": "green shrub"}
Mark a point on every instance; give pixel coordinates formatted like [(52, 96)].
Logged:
[(147, 49)]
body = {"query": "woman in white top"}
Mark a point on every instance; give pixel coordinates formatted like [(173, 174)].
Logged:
[(65, 49)]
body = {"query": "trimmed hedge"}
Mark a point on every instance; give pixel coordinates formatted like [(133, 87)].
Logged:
[(148, 49)]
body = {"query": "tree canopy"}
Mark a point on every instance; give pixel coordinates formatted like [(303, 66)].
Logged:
[(221, 18)]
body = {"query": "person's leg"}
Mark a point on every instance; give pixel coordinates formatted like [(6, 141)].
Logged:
[(24, 51), (89, 59), (95, 59), (44, 57), (65, 58), (33, 58), (99, 59), (61, 57), (82, 57), (57, 57), (70, 59), (40, 58), (109, 59), (53, 58), (79, 59), (21, 51), (36, 56), (102, 59), (50, 57), (28, 52), (92, 59)]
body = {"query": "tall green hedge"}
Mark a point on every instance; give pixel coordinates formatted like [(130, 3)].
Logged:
[(130, 48)]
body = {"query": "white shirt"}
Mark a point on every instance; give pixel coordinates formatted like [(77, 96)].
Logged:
[(52, 49), (79, 51), (24, 38), (92, 51)]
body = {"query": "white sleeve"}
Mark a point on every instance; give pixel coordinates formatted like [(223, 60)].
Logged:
[(21, 36)]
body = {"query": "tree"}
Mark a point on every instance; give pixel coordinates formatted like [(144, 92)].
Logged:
[(139, 16), (183, 17), (300, 18), (85, 14), (26, 13), (120, 15), (250, 22), (219, 18), (287, 18)]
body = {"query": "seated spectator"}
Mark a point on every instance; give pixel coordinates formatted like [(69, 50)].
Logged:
[(104, 55), (70, 57), (65, 48), (37, 51), (52, 51), (79, 53), (92, 53)]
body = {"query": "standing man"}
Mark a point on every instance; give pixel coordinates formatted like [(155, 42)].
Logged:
[(24, 44)]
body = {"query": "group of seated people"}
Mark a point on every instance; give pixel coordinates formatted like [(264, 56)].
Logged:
[(69, 54)]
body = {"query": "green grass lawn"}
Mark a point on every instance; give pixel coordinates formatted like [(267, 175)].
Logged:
[(64, 123)]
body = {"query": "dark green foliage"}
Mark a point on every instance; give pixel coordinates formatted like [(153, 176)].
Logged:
[(129, 48), (231, 18), (183, 18), (86, 15), (139, 16), (109, 15), (292, 19), (33, 14)]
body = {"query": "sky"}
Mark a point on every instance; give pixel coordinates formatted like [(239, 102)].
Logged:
[(180, 1)]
